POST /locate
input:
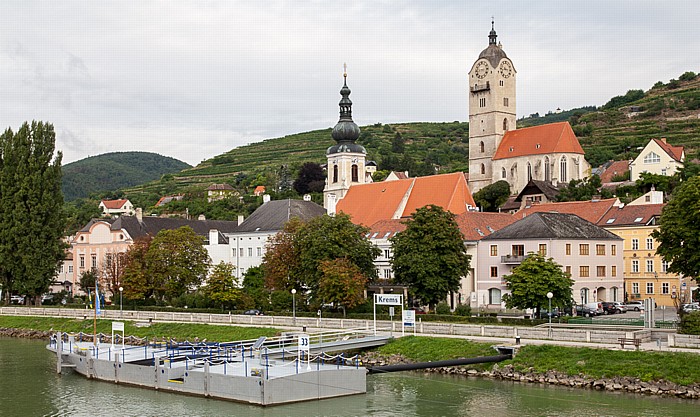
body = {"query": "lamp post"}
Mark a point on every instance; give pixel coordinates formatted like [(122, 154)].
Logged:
[(549, 297), (121, 311), (294, 306)]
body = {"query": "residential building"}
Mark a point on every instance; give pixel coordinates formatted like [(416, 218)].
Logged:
[(217, 192), (168, 198), (592, 210), (117, 207), (645, 272), (614, 170), (591, 254), (499, 151), (259, 190), (657, 157)]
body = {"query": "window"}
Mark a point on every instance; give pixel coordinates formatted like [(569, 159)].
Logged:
[(650, 265), (563, 169), (635, 244), (568, 248), (483, 169), (584, 271), (494, 272), (613, 270), (547, 174), (335, 173), (241, 252), (505, 125), (543, 249), (70, 269), (635, 288), (600, 250), (481, 146), (600, 271), (503, 173), (494, 250), (387, 273), (61, 269), (387, 253), (664, 266), (650, 243), (529, 172), (500, 83), (494, 296), (355, 175), (635, 265), (613, 250), (518, 250), (664, 288), (568, 269), (482, 102), (108, 260), (583, 249), (505, 102), (259, 251), (82, 261), (250, 251), (652, 158), (650, 288), (94, 261)]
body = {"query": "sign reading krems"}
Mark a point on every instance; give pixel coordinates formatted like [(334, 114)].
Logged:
[(388, 299)]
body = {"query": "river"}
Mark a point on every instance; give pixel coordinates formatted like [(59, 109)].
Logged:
[(29, 386)]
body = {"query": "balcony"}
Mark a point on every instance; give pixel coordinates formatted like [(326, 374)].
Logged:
[(480, 87), (512, 259)]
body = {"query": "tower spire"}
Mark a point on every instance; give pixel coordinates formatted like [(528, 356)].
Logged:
[(346, 130), (492, 34)]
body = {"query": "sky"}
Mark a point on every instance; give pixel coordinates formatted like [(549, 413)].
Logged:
[(194, 79)]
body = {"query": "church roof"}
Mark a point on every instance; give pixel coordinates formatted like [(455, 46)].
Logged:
[(539, 140), (369, 203), (494, 54)]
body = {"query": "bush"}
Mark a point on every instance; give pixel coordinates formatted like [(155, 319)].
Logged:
[(443, 308), (690, 323), (463, 310)]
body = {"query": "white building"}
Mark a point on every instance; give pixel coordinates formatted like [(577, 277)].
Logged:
[(659, 158)]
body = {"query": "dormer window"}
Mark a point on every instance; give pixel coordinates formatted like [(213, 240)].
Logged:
[(652, 158)]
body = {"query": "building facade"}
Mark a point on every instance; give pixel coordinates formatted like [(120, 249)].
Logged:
[(658, 157)]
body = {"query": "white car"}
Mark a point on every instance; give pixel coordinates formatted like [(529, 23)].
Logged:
[(691, 307), (17, 299), (634, 305)]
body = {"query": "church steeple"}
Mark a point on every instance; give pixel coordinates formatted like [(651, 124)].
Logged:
[(492, 34), (345, 131)]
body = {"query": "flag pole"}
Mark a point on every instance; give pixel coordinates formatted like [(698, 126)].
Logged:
[(94, 320)]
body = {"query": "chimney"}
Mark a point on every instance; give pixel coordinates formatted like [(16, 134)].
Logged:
[(240, 219), (213, 237), (266, 198), (201, 217), (307, 197), (139, 214), (663, 140)]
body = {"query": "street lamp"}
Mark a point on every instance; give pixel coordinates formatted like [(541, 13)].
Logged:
[(549, 297), (121, 292), (294, 306)]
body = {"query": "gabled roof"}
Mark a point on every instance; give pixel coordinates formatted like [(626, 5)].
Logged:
[(385, 229), (273, 215), (215, 187), (114, 204), (591, 211), (152, 225), (476, 225), (675, 152), (539, 140), (259, 189), (538, 187), (634, 215), (614, 169), (552, 226), (168, 198), (368, 203)]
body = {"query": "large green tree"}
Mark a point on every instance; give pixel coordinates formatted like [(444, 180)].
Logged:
[(491, 197), (137, 282), (342, 283), (222, 285), (430, 256), (679, 230), (533, 279), (31, 210), (177, 261)]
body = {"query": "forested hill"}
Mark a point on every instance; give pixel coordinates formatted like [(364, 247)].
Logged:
[(113, 171)]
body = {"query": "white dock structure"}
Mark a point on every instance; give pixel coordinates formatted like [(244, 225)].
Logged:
[(263, 372)]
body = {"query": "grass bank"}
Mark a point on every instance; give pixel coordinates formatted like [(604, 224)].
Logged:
[(678, 367), (180, 331)]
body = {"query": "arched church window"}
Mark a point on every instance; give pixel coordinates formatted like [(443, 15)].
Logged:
[(503, 173), (481, 146), (483, 169), (505, 125), (355, 175), (529, 172), (335, 173), (547, 175), (563, 169)]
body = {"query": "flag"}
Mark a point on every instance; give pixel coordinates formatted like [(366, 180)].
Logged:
[(89, 298), (97, 302)]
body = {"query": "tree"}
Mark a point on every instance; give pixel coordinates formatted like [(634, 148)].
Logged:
[(137, 282), (254, 293), (282, 257), (87, 281), (491, 197), (222, 286), (533, 279), (311, 179), (32, 219), (398, 144), (112, 271), (429, 256), (679, 230), (177, 261), (583, 190), (342, 283)]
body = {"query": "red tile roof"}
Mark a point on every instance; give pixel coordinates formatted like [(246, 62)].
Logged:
[(368, 203), (615, 169), (475, 225), (113, 204), (538, 140), (592, 211), (634, 215), (380, 229), (675, 152)]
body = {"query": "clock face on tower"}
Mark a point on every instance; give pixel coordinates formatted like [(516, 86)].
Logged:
[(505, 69), (481, 69)]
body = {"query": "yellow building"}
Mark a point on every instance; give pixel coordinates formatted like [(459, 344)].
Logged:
[(645, 272)]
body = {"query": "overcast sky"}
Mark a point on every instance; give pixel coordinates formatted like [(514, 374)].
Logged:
[(194, 79)]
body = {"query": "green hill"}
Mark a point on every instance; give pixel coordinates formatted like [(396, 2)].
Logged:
[(113, 171), (613, 131)]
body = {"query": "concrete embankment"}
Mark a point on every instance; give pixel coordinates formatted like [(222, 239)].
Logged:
[(507, 372)]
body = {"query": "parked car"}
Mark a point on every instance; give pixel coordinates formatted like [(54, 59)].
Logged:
[(585, 311), (418, 310), (597, 307), (610, 307), (688, 308), (634, 305), (17, 299), (253, 313), (544, 314)]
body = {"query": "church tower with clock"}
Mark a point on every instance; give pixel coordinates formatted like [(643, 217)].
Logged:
[(491, 110), (346, 159)]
